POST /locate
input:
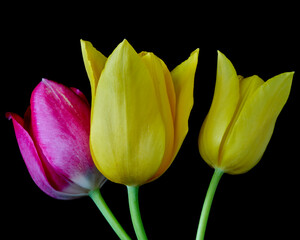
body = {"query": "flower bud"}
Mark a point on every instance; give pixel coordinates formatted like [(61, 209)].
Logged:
[(53, 139), (140, 111), (242, 118)]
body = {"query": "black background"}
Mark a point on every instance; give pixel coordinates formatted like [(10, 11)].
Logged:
[(43, 42)]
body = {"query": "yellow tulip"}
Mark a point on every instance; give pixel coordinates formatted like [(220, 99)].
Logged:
[(140, 111), (241, 119)]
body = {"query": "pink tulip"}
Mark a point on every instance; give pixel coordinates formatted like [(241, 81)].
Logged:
[(53, 139)]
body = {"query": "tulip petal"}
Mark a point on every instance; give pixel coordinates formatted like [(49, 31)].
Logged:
[(154, 65), (170, 89), (183, 79), (251, 133), (34, 163), (223, 107), (80, 94), (60, 125), (169, 84), (247, 87), (127, 131), (94, 62)]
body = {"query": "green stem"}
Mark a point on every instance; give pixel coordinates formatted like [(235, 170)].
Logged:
[(135, 212), (207, 203), (104, 209)]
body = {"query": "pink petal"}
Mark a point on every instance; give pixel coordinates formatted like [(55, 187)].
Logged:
[(60, 125), (80, 94), (33, 161)]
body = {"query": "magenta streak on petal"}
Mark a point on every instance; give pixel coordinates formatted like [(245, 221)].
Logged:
[(33, 161), (60, 124)]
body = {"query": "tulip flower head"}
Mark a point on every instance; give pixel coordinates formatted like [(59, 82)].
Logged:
[(242, 118), (53, 139), (140, 111)]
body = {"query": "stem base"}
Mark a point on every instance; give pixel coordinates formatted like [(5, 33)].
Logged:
[(135, 212)]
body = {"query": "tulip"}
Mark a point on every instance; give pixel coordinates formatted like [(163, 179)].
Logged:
[(140, 112), (139, 116), (242, 118), (53, 139), (239, 125)]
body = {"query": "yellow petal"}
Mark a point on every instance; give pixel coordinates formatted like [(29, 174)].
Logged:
[(94, 62), (183, 79), (247, 87), (154, 65), (169, 83), (127, 130), (251, 133), (223, 107), (170, 88)]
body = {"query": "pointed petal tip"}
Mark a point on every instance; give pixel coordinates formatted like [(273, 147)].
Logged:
[(45, 80), (221, 55), (283, 78), (15, 118), (47, 83), (124, 47), (290, 74), (83, 43), (287, 79), (125, 44), (8, 115), (196, 51), (223, 59)]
